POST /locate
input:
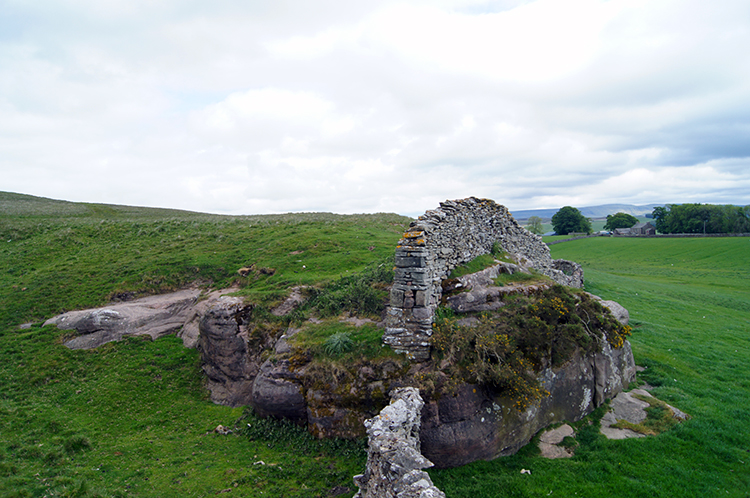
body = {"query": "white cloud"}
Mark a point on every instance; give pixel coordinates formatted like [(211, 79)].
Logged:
[(254, 107)]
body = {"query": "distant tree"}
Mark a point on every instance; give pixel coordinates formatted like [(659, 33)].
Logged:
[(569, 219), (702, 218), (620, 220), (660, 218), (534, 225)]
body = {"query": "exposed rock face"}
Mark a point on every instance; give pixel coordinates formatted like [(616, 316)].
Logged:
[(477, 425), (394, 462), (618, 311), (437, 242), (155, 316), (277, 392), (549, 442), (216, 325), (481, 293), (224, 352)]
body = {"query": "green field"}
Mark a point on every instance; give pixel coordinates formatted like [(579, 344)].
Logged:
[(133, 418), (689, 302)]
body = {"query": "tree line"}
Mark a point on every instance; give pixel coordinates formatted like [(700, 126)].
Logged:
[(702, 218), (671, 218)]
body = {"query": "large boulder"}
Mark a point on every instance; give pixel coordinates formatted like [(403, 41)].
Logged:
[(476, 424)]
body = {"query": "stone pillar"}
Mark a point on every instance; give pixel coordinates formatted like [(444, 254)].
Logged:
[(409, 319)]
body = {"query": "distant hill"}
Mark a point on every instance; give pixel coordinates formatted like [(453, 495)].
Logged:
[(23, 205), (590, 211)]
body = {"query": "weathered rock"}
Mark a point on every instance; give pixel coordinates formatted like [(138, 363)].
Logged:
[(155, 316), (625, 406), (475, 424), (394, 462), (294, 299), (489, 298), (224, 353), (549, 442), (277, 392), (478, 291), (216, 325), (190, 331), (618, 311)]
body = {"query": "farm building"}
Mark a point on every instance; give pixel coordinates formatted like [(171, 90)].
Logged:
[(639, 229)]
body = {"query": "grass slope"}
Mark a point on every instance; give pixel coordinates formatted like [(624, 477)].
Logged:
[(689, 302), (133, 418)]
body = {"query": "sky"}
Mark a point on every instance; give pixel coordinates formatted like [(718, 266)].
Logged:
[(274, 106)]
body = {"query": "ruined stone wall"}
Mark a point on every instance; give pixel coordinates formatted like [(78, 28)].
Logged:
[(439, 241), (394, 462)]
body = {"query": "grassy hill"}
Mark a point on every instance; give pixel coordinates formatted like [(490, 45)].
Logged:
[(133, 418)]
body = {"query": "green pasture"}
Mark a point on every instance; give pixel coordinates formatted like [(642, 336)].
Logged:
[(689, 303), (133, 418)]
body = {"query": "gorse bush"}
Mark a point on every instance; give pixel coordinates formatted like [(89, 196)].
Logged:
[(525, 336)]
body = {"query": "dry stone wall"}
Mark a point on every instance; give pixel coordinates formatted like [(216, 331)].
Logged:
[(444, 238), (394, 462)]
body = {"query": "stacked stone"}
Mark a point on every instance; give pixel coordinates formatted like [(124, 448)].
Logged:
[(439, 241), (394, 462)]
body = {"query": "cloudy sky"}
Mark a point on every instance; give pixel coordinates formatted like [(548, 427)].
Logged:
[(269, 106)]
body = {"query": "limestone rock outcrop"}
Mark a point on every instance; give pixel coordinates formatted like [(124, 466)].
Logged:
[(256, 363), (215, 324), (628, 407), (394, 462), (479, 292), (618, 310)]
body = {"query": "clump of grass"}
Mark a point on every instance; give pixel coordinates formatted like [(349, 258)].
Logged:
[(477, 264), (482, 262), (569, 443), (363, 293), (76, 444), (520, 278), (348, 343)]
